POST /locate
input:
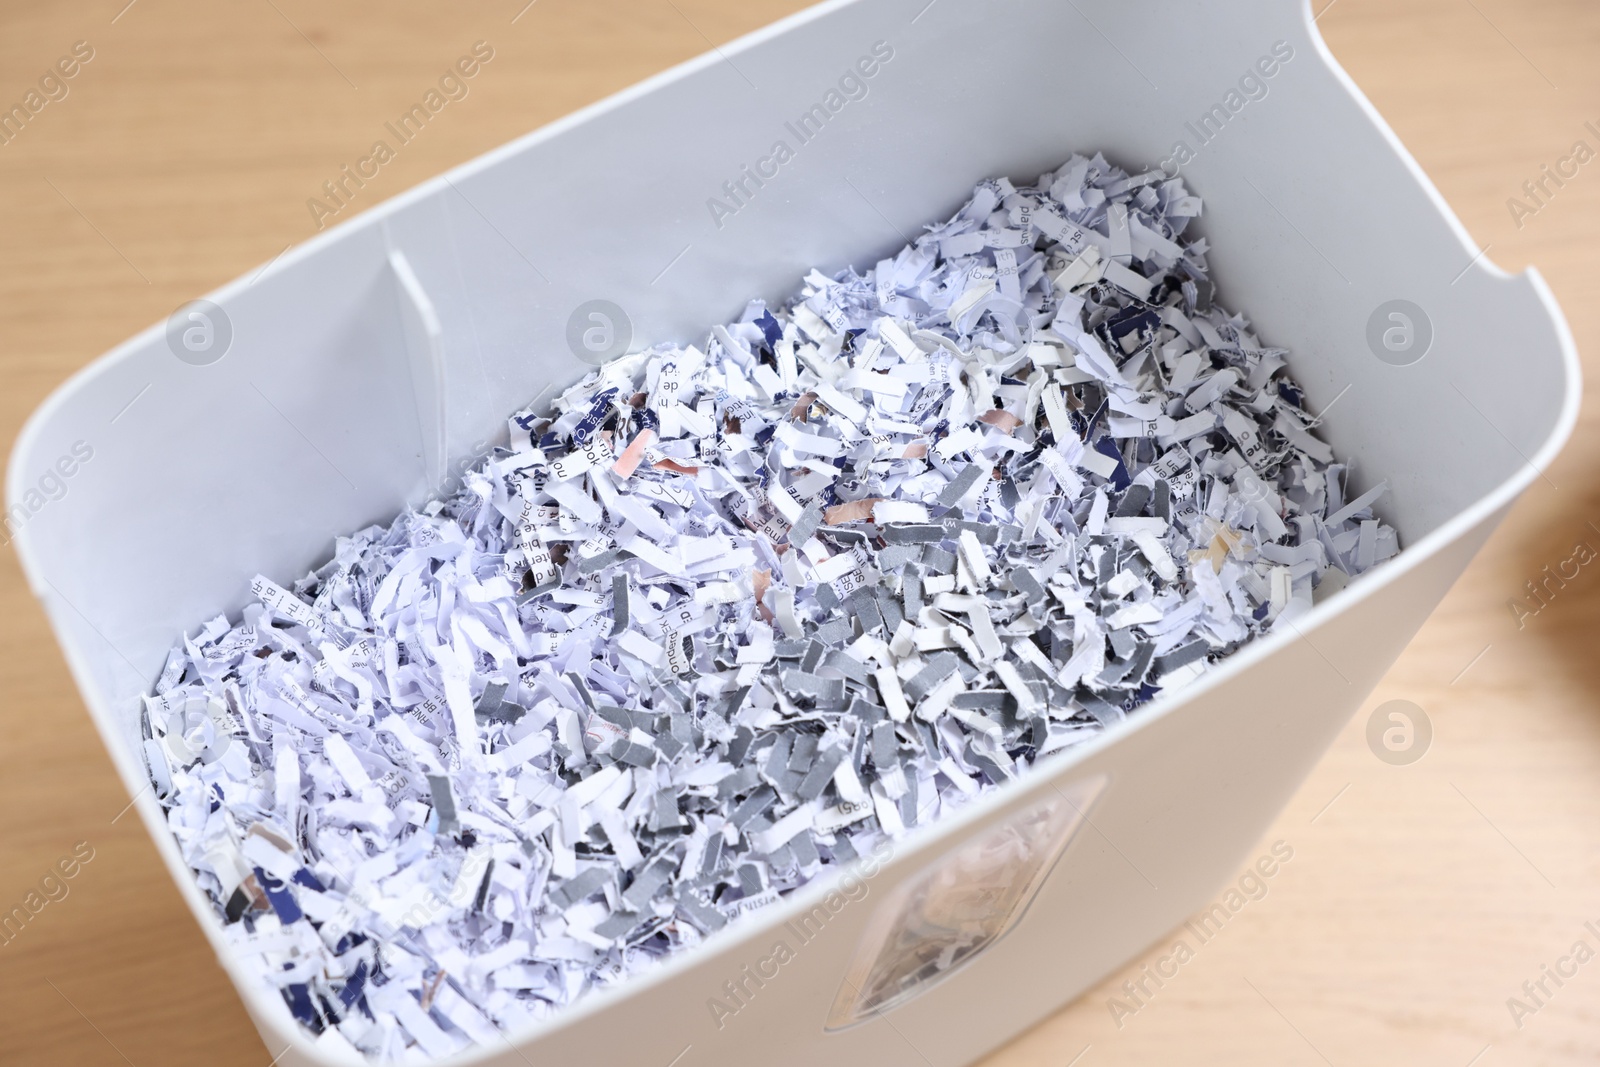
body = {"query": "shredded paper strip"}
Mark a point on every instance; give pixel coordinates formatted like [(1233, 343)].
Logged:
[(732, 615)]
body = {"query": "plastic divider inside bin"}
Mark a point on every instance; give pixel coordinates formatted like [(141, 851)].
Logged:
[(425, 351), (367, 363)]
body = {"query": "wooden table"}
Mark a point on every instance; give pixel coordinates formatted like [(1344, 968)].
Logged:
[(1419, 898)]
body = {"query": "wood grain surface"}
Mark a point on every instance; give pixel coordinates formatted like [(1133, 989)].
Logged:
[(1419, 898)]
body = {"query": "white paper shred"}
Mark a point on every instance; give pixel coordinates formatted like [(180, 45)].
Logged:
[(725, 617)]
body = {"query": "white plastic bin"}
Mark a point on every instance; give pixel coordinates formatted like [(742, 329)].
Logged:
[(362, 362)]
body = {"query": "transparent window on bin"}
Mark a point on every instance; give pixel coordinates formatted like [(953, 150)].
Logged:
[(951, 912)]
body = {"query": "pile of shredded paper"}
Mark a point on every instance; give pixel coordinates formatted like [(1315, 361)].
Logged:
[(730, 616)]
